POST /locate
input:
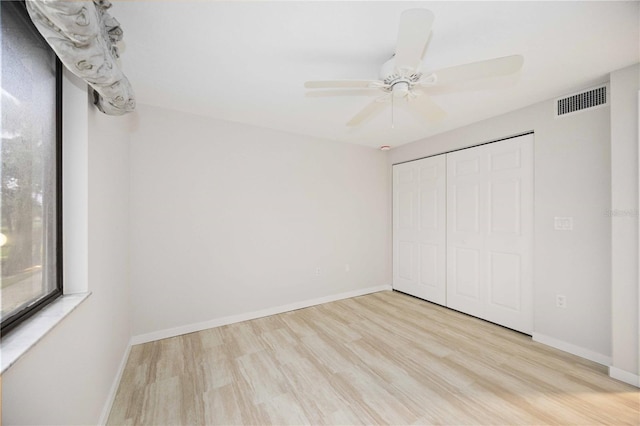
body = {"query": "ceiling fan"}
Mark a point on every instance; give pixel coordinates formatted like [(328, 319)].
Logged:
[(402, 77)]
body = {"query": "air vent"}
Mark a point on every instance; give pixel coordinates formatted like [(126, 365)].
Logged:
[(591, 98)]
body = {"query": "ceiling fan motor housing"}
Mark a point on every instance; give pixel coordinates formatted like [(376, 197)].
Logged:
[(401, 81)]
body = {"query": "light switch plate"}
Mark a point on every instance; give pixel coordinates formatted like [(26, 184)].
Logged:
[(563, 223)]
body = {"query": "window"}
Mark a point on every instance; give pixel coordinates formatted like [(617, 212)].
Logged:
[(31, 152)]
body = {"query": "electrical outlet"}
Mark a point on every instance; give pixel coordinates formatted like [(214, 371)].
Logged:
[(318, 271), (561, 301), (347, 267)]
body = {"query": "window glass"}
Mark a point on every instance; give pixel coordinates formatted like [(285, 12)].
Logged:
[(29, 169)]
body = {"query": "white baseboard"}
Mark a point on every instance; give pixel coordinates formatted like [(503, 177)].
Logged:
[(114, 387), (217, 322), (624, 376), (572, 349)]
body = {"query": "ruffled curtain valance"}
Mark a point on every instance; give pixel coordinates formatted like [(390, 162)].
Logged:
[(84, 37)]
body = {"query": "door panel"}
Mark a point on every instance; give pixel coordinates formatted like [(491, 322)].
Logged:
[(466, 165), (405, 260), (429, 265), (492, 210), (504, 159), (429, 170), (404, 176), (405, 209), (419, 228), (509, 239), (466, 207), (505, 281), (504, 204), (465, 243), (466, 273)]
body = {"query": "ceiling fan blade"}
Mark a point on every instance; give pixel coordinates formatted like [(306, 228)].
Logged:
[(343, 84), (342, 92), (426, 108), (477, 70), (413, 34), (368, 112)]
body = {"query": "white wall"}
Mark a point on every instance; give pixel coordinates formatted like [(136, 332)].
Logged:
[(67, 377), (625, 84), (572, 178), (228, 219)]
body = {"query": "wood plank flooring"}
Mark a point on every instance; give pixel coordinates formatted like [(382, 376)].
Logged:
[(384, 358)]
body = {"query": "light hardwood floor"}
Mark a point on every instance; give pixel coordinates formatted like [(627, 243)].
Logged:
[(384, 358)]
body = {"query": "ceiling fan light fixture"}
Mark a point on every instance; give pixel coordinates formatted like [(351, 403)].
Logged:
[(400, 89)]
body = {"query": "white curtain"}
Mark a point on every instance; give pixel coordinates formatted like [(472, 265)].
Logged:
[(84, 37)]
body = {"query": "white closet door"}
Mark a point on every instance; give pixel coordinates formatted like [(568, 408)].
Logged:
[(419, 228), (490, 232)]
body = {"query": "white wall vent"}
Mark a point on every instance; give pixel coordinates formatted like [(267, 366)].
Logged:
[(587, 99)]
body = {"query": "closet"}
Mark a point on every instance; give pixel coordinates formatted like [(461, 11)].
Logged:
[(463, 230)]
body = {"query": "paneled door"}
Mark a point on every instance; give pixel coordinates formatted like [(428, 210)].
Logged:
[(419, 228), (490, 232)]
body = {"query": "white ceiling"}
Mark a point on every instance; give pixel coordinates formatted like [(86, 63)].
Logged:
[(247, 61)]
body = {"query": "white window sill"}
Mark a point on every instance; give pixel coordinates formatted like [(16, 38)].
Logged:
[(32, 330)]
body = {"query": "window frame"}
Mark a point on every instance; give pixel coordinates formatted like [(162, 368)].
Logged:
[(28, 311)]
